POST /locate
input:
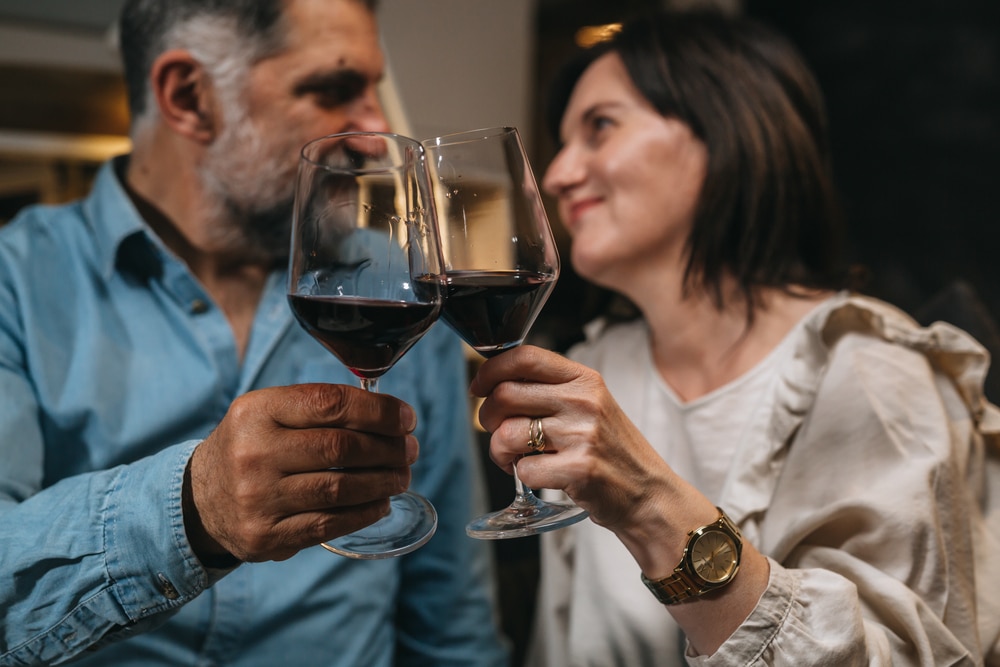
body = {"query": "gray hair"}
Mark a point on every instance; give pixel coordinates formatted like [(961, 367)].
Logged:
[(226, 36)]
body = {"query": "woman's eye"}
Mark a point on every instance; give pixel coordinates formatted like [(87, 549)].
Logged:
[(598, 126)]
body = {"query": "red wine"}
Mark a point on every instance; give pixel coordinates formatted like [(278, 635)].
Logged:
[(492, 310), (367, 335)]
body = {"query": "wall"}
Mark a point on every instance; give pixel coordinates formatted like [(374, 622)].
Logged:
[(461, 64), (452, 65), (457, 64)]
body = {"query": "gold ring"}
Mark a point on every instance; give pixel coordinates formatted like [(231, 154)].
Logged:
[(536, 436)]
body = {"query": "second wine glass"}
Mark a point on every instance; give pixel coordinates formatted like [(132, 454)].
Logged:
[(501, 264), (365, 280)]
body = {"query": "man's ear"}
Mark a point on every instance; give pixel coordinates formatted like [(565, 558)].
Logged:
[(184, 95)]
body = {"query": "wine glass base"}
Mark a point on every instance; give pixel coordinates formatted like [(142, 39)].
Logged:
[(525, 517), (410, 523)]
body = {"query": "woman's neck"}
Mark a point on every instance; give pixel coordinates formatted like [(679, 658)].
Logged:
[(698, 347)]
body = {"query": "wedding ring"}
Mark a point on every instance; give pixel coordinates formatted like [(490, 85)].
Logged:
[(536, 436)]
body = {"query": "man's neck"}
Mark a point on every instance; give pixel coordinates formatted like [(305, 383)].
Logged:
[(174, 207)]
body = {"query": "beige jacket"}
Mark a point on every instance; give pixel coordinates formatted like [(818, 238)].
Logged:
[(872, 481)]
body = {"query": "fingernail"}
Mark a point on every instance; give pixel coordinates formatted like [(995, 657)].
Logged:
[(408, 418), (412, 449)]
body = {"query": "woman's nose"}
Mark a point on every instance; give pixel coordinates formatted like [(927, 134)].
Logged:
[(564, 171)]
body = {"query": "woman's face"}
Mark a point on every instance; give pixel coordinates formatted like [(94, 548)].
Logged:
[(627, 180)]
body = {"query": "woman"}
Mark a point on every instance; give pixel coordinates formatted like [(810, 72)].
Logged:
[(818, 456)]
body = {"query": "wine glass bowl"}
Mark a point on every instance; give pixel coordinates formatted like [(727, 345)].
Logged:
[(366, 281), (500, 257), (501, 264)]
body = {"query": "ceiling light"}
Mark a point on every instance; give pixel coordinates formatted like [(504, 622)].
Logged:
[(589, 35)]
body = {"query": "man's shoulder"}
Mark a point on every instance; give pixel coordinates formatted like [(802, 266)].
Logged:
[(42, 232), (46, 254), (64, 235)]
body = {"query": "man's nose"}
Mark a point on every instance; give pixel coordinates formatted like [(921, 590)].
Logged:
[(370, 117)]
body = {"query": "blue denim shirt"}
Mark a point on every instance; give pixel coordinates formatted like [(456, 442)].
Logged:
[(114, 364)]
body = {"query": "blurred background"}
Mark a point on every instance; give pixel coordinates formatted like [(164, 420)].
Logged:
[(913, 93)]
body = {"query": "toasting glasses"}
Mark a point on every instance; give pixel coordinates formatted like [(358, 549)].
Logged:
[(501, 264), (366, 281)]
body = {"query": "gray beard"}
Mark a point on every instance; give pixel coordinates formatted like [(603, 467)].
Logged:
[(251, 183), (259, 236), (253, 226)]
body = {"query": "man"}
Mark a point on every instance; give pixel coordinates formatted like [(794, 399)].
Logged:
[(164, 458)]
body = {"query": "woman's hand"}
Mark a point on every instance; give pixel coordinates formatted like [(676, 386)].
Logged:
[(601, 460), (592, 451)]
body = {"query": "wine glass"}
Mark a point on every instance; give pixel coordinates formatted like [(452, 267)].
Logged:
[(501, 264), (366, 281)]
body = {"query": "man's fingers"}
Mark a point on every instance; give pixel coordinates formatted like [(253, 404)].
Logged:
[(333, 490), (308, 529), (321, 459), (310, 405), (308, 450)]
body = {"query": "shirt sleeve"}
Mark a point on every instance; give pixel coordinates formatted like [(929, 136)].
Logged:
[(92, 557), (447, 614), (869, 528)]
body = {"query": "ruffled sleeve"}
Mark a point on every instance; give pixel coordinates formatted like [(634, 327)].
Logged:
[(873, 488)]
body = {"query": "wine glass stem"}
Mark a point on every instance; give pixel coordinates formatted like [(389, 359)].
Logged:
[(522, 493), (370, 384)]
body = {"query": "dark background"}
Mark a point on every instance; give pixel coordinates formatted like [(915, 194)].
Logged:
[(913, 95)]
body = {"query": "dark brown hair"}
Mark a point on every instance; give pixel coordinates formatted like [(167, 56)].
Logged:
[(768, 212)]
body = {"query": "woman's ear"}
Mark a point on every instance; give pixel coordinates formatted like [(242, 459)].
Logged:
[(184, 95)]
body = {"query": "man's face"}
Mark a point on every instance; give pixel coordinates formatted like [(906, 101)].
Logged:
[(324, 82)]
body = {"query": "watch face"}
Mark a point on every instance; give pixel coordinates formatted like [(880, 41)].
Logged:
[(713, 556)]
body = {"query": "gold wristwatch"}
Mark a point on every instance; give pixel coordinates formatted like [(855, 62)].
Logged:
[(711, 559)]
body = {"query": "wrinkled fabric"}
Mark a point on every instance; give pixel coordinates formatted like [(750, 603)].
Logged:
[(114, 364), (866, 471)]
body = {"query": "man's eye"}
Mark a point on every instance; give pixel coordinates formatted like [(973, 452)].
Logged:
[(332, 90), (333, 96)]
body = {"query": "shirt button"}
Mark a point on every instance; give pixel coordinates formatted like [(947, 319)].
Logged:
[(167, 588), (199, 307)]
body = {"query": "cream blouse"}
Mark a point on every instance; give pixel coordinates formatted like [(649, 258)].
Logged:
[(860, 456)]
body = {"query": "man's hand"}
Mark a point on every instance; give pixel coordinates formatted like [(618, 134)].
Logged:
[(290, 467)]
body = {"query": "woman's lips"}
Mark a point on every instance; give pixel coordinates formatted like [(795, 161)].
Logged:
[(577, 209)]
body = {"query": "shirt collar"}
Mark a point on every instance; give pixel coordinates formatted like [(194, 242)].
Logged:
[(123, 239)]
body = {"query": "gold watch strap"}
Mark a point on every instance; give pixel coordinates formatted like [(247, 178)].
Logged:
[(679, 586), (673, 589)]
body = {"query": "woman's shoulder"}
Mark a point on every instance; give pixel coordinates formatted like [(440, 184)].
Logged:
[(861, 340), (861, 321)]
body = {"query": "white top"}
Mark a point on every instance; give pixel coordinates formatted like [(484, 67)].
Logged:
[(847, 456)]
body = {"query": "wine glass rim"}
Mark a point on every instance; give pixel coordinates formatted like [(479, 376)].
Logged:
[(342, 135), (471, 135)]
